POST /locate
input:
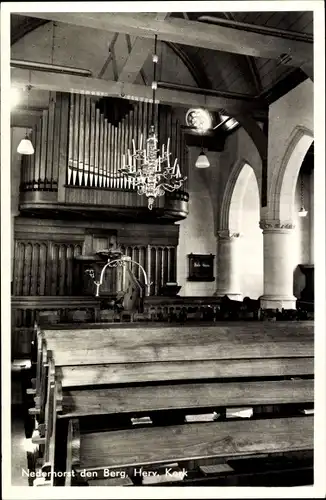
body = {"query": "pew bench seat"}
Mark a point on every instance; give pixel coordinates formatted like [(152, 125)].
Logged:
[(134, 400), (142, 452)]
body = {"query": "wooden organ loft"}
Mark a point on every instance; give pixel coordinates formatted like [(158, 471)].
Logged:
[(79, 142), (74, 204)]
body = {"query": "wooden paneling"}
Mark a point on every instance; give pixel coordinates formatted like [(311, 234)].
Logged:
[(159, 263), (44, 267)]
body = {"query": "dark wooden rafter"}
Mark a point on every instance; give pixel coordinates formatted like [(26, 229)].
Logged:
[(208, 91), (194, 66), (129, 47), (198, 73), (110, 56), (262, 29), (192, 33), (128, 42), (251, 64), (30, 25), (283, 86), (137, 54), (114, 64), (256, 28), (255, 133), (105, 66), (77, 84)]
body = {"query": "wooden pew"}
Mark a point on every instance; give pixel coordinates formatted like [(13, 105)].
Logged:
[(107, 377)]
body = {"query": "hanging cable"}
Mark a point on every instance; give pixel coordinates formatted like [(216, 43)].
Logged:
[(53, 42), (25, 147), (154, 82), (302, 212)]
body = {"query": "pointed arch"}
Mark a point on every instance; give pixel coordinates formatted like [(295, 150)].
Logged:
[(224, 220), (283, 184)]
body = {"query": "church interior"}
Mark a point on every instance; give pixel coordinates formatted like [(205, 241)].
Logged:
[(162, 248)]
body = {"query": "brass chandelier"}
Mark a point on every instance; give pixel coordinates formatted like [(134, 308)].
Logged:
[(148, 165)]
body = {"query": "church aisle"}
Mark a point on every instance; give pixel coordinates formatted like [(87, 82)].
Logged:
[(18, 451)]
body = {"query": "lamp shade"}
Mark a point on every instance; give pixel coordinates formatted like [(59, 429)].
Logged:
[(202, 161), (25, 147), (302, 212)]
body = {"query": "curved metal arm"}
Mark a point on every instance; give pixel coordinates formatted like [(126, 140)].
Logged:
[(115, 263)]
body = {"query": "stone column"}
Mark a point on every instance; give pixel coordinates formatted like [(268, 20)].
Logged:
[(228, 270), (278, 265)]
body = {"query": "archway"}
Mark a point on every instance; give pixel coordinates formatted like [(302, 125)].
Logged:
[(296, 174), (282, 187), (282, 240), (240, 215), (244, 217), (303, 233)]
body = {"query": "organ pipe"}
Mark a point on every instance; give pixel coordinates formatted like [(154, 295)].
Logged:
[(96, 142), (108, 141)]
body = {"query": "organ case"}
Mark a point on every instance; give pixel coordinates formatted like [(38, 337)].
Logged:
[(79, 142)]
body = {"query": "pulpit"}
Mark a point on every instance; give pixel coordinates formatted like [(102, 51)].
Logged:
[(90, 267)]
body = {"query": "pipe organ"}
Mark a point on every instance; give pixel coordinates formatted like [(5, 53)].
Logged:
[(40, 171), (73, 199), (98, 133)]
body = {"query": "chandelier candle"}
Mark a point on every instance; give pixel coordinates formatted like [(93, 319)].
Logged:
[(148, 167)]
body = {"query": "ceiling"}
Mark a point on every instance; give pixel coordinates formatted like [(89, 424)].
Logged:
[(187, 67), (248, 75)]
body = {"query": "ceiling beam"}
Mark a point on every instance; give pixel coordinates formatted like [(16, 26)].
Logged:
[(109, 58), (93, 86), (208, 36), (257, 28), (138, 55)]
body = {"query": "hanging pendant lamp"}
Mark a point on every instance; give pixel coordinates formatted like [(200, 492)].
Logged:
[(25, 147), (202, 160)]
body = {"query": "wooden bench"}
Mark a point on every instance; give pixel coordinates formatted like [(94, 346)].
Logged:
[(209, 400)]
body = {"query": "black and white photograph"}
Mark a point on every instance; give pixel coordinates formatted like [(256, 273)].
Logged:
[(162, 212)]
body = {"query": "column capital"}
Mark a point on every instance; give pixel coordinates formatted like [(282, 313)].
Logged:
[(276, 225), (226, 234)]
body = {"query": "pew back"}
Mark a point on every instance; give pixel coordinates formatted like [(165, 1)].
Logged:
[(168, 374)]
